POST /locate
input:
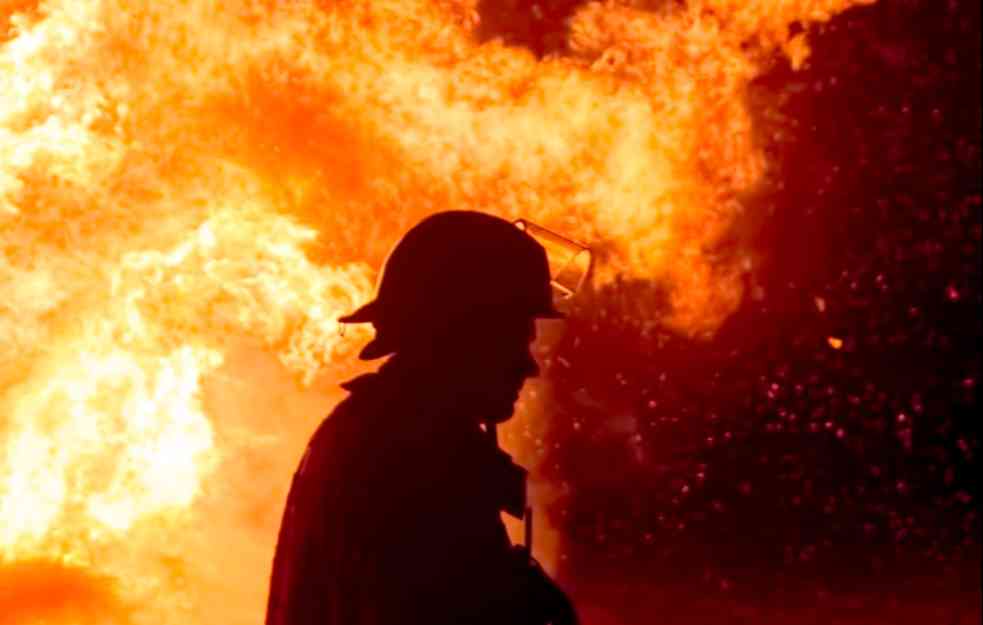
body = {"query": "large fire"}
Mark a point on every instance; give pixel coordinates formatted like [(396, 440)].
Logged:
[(191, 192)]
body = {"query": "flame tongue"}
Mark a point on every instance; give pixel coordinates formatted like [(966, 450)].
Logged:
[(109, 439), (181, 178)]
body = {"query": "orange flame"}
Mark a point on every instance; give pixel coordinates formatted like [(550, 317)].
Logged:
[(192, 191)]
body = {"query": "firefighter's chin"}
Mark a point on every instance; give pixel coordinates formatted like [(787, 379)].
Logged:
[(501, 409)]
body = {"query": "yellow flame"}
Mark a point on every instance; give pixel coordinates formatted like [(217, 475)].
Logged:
[(108, 438)]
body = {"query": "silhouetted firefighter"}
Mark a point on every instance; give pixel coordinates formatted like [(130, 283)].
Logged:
[(393, 516)]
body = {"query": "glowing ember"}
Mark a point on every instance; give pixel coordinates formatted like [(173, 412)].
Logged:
[(181, 181)]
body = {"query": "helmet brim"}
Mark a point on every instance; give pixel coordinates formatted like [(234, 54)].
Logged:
[(377, 348), (369, 313), (366, 314)]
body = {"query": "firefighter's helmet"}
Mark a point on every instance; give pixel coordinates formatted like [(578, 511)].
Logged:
[(451, 266)]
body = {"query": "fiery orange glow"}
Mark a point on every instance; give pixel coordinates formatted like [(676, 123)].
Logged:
[(192, 191)]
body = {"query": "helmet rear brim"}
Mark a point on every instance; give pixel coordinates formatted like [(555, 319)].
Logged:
[(369, 313), (377, 348)]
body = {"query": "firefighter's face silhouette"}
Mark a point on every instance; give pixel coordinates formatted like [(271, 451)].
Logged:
[(495, 365)]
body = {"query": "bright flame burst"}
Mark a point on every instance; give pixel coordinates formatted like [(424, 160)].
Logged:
[(179, 177)]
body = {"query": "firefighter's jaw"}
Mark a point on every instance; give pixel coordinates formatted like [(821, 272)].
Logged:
[(493, 394)]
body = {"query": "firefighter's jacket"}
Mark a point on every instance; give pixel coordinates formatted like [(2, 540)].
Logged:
[(393, 516)]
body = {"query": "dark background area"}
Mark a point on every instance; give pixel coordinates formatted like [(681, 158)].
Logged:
[(772, 474)]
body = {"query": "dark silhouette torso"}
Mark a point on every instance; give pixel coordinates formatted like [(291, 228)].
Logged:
[(393, 515)]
